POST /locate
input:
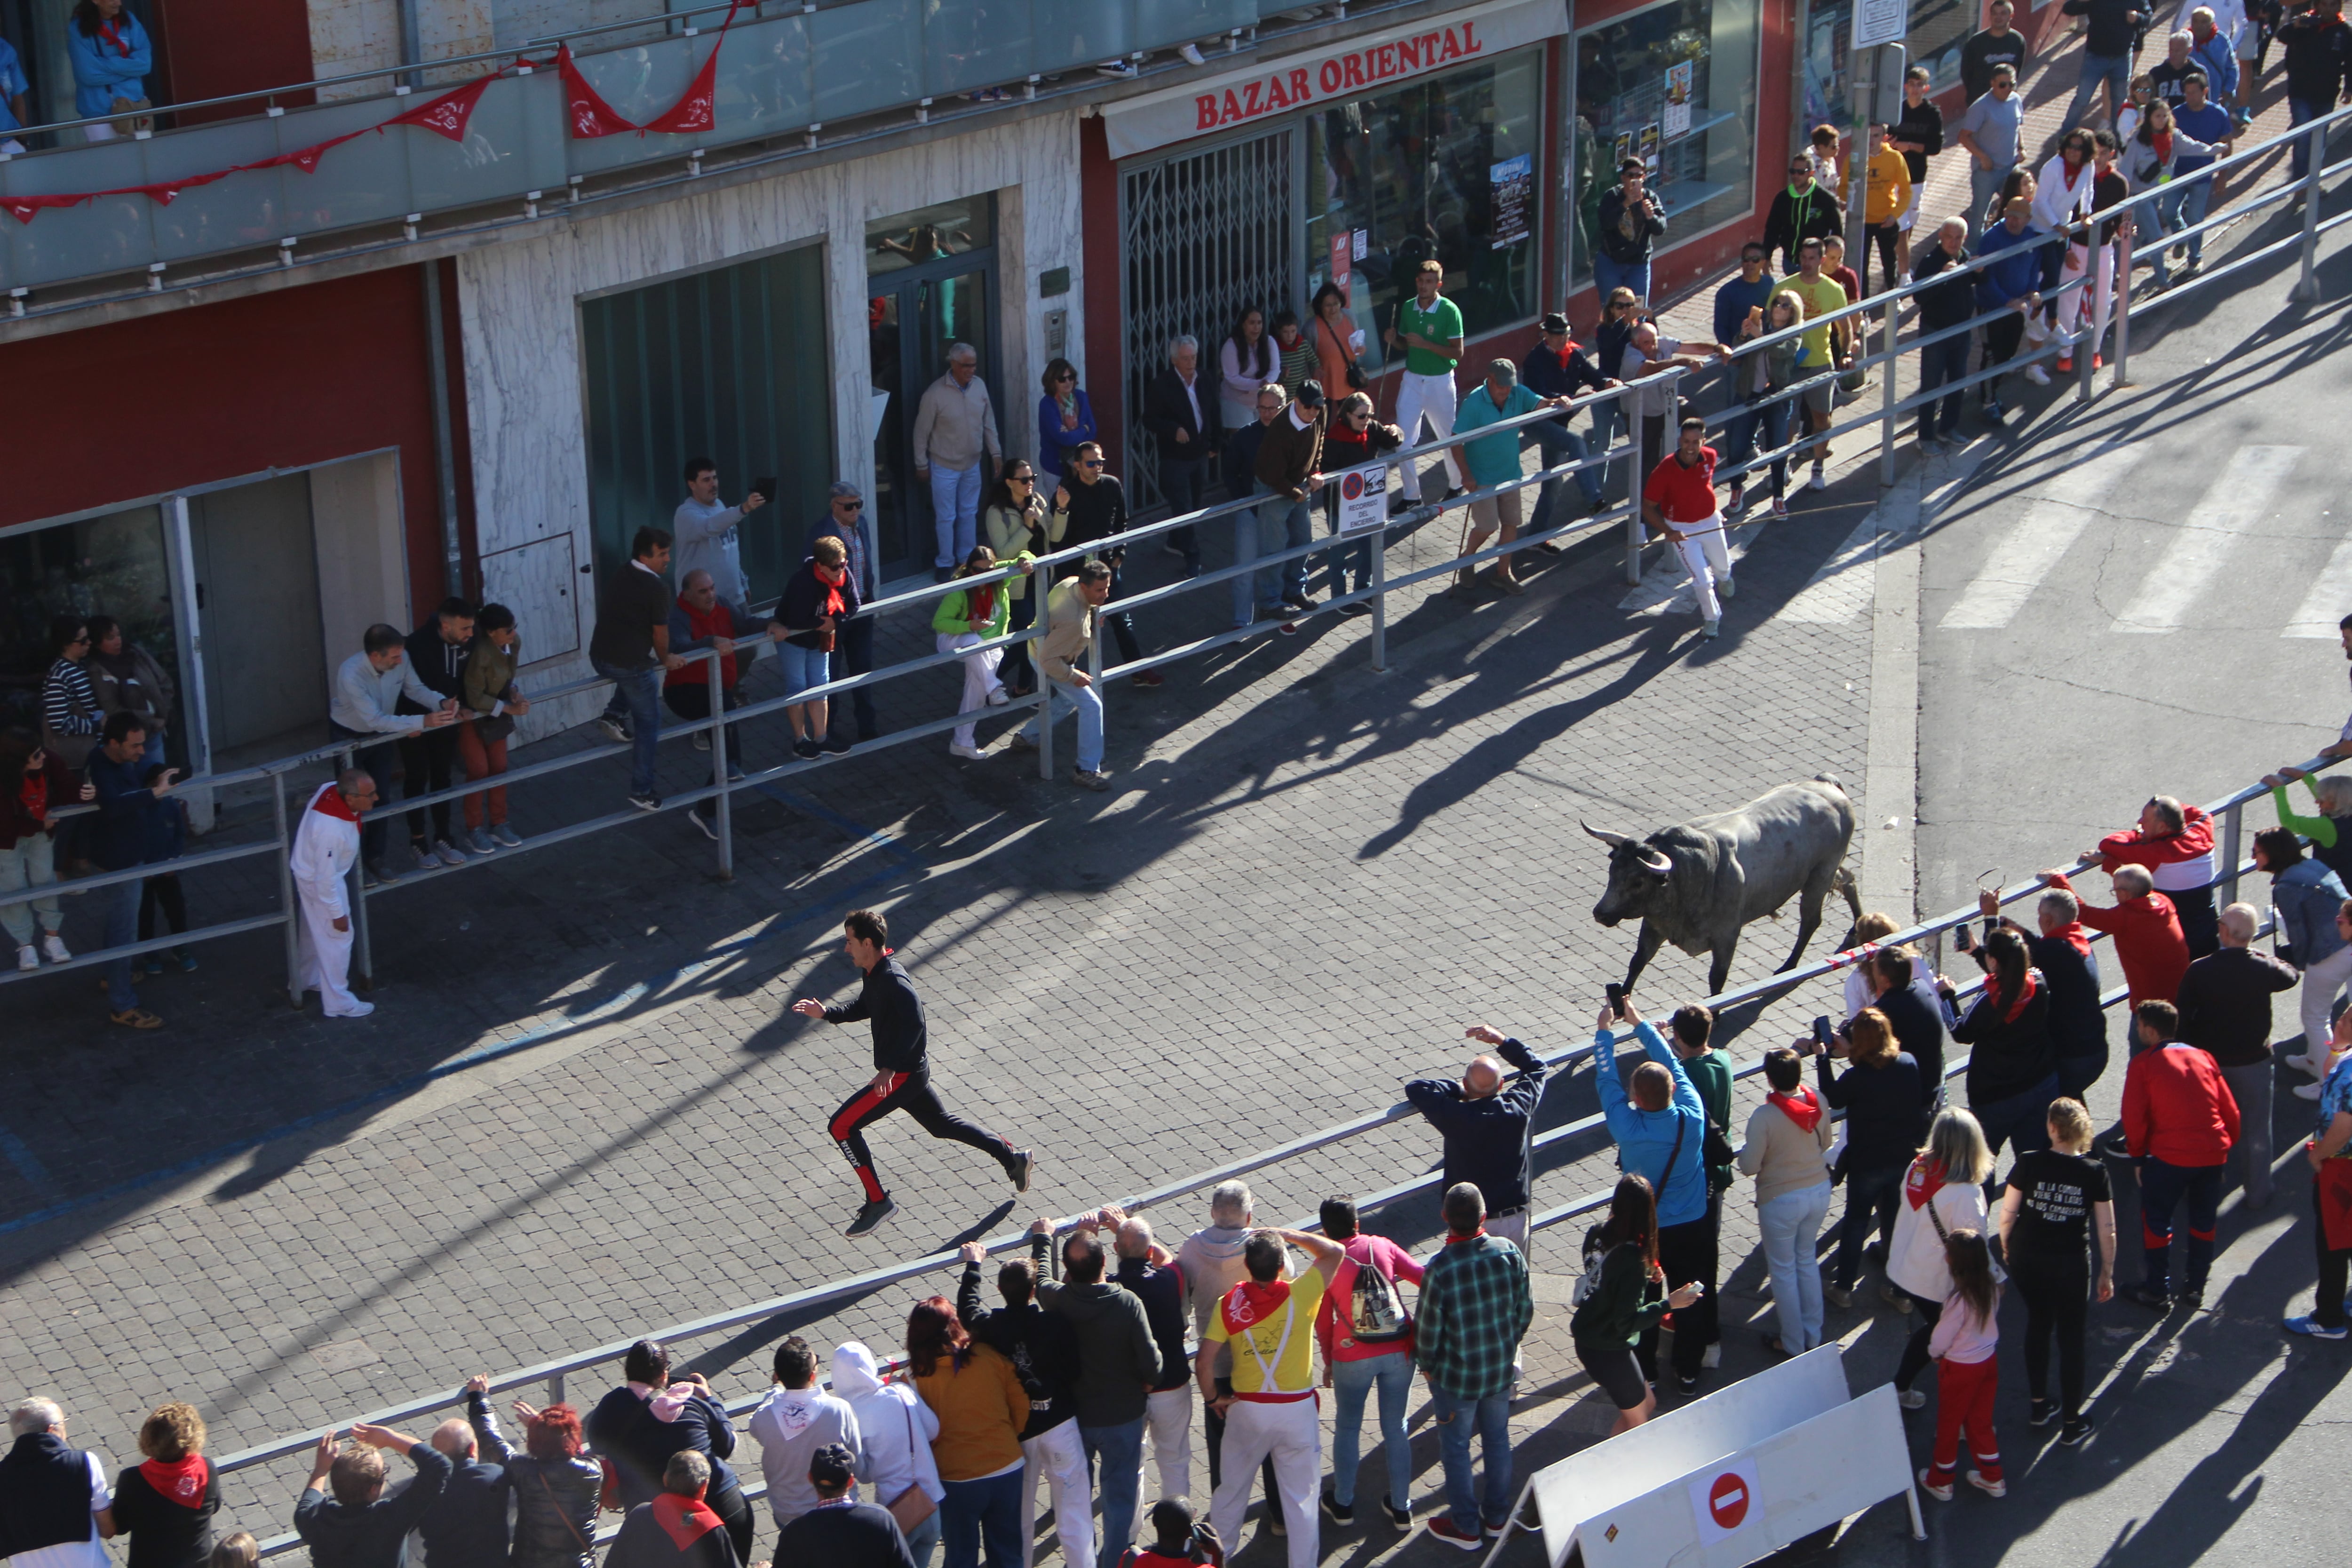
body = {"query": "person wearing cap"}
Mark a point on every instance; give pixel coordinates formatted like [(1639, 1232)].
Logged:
[(841, 1531), (1288, 473), (1555, 367), (1679, 502), (1492, 461)]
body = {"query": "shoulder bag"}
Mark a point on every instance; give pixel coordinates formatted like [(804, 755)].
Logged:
[(912, 1506)]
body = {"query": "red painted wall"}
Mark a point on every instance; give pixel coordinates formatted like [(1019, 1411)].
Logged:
[(1103, 371), (282, 380), (208, 49)]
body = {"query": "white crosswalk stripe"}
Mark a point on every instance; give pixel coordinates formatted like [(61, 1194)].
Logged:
[(2238, 501), (2025, 554), (2328, 602)]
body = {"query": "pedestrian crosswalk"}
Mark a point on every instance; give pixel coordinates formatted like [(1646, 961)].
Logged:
[(2024, 555), (2238, 501)]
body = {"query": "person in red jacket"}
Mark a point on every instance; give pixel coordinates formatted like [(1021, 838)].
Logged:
[(2174, 842), (2146, 929), (2180, 1121)]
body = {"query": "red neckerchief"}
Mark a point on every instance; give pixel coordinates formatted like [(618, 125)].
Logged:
[(1250, 1303), (106, 30), (2075, 937), (1566, 355), (1922, 1182), (1453, 1240), (982, 602), (331, 803), (833, 605), (686, 1519), (706, 624), (2024, 994), (182, 1481), (2163, 142), (1805, 1111)]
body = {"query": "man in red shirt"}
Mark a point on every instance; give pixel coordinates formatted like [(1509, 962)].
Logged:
[(1679, 502), (2180, 1121), (2146, 930), (2174, 842)]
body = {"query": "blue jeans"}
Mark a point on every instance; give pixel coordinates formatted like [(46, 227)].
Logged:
[(1355, 557), (2302, 112), (2185, 203), (1791, 1223), (1609, 276), (955, 512), (1871, 1193), (2113, 69), (924, 1539), (1490, 1419), (2162, 1189), (986, 1513), (1088, 702), (1983, 185), (1559, 444), (1943, 364), (1354, 1381), (803, 668), (1116, 1454), (636, 697), (121, 931), (1269, 520), (1185, 481), (2148, 235), (1771, 420), (1297, 528)]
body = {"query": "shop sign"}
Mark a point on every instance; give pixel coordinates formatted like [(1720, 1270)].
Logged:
[(1358, 68)]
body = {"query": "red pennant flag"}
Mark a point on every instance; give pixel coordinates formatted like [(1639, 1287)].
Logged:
[(24, 209), (589, 115), (162, 194), (694, 112), (446, 115)]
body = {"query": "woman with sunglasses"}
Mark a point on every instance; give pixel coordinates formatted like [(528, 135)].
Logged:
[(1354, 438), (72, 717), (1066, 421), (1018, 524), (2061, 195), (1620, 315)]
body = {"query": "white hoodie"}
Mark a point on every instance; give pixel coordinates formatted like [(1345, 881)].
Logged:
[(790, 1427), (894, 1425)]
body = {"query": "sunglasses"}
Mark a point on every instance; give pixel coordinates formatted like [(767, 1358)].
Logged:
[(845, 505), (1020, 478), (1065, 378), (1090, 462)]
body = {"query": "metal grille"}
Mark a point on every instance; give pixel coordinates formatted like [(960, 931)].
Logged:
[(1203, 236)]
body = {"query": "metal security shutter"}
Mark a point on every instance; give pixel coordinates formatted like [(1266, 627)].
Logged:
[(1203, 236)]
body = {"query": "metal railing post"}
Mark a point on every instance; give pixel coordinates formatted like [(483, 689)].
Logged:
[(717, 669), (1887, 399), (1635, 476), (362, 949), (555, 1389), (2123, 302), (2306, 287), (1041, 584), (286, 899), (2086, 331), (2230, 826), (1378, 542)]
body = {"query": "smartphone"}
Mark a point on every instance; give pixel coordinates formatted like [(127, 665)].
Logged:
[(1962, 939), (765, 489), (1617, 998), (1824, 1034)]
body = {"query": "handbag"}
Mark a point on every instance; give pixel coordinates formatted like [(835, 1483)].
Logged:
[(912, 1506), (1357, 379)]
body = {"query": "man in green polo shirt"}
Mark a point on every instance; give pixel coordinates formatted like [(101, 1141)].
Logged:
[(1429, 330), (1492, 461)]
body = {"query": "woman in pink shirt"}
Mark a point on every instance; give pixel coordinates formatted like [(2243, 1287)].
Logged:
[(1366, 1339), (1967, 1370)]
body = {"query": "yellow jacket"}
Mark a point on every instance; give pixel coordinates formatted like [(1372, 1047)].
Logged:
[(1889, 186)]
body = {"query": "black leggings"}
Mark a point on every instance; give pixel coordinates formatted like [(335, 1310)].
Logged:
[(162, 892), (1915, 1351), (1687, 1252), (2057, 1299), (1888, 238), (910, 1092)]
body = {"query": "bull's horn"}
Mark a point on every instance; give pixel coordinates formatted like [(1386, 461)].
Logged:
[(1657, 862), (1611, 839)]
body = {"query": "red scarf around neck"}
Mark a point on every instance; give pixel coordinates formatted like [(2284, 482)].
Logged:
[(111, 34), (686, 1519), (1802, 1107), (182, 1481), (833, 605), (35, 795), (331, 803), (2024, 994), (1922, 1182), (1250, 1303), (2075, 937), (982, 602)]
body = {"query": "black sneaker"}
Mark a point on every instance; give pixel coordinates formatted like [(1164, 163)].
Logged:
[(2070, 1434), (837, 744), (1400, 1517), (2042, 1413), (1302, 602), (870, 1217), (647, 802), (2152, 1297), (807, 746), (1341, 1513), (1687, 1385), (1023, 1162)]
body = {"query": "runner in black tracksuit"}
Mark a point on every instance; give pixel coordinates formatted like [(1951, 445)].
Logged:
[(902, 1080)]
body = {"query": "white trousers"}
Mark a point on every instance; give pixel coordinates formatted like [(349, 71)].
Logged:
[(324, 956), (1061, 1459), (2321, 982), (1430, 397), (979, 675), (1290, 1434), (1706, 558), (2100, 296), (1168, 1428)]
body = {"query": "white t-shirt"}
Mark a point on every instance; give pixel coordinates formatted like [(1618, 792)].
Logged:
[(1651, 402), (89, 1554)]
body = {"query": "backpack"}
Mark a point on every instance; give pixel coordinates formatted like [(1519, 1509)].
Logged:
[(1596, 1253), (1376, 1313)]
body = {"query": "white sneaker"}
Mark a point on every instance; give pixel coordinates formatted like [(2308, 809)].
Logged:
[(2306, 1092), (1725, 588), (1710, 628), (1911, 1398), (1713, 1357), (55, 947), (356, 1010), (28, 957), (970, 753), (2038, 374), (1821, 479), (997, 697), (702, 740)]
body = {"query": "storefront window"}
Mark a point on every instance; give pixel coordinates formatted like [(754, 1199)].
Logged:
[(1675, 87), (1938, 29), (927, 234), (1447, 168), (112, 565)]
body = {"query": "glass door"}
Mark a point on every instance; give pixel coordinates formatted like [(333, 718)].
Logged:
[(930, 275)]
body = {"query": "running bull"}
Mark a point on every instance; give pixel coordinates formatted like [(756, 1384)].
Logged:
[(1697, 883)]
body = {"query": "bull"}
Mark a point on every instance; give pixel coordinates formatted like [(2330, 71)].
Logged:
[(1697, 883)]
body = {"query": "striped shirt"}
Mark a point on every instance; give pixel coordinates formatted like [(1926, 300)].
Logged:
[(69, 703)]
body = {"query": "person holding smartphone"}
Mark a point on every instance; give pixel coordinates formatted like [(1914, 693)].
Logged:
[(1660, 1131)]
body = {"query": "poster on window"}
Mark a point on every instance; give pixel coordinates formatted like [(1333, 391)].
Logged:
[(1513, 184), (1679, 84), (1621, 152), (1340, 257), (1648, 150)]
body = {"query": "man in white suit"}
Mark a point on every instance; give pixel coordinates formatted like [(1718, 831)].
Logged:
[(325, 846)]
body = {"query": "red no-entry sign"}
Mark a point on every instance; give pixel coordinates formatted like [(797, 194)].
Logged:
[(1726, 1499)]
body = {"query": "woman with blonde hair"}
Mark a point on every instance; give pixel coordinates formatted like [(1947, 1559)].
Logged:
[(1943, 1192), (237, 1548), (1881, 1096), (166, 1503), (2056, 1200)]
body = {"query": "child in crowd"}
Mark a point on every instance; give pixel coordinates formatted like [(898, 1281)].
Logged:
[(1967, 1372)]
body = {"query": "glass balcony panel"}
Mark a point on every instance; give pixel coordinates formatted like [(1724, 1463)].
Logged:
[(867, 58)]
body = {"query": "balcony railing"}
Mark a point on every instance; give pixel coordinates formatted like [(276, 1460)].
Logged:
[(783, 76)]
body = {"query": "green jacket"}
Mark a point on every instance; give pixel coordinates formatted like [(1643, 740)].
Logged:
[(953, 617), (1624, 1306), (2320, 829), (1711, 1073)]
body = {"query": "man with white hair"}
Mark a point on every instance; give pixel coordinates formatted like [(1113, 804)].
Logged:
[(2168, 75), (1150, 1276), (955, 429), (2146, 930), (2225, 1009), (2174, 843), (1209, 1263), (466, 1525), (326, 842), (2227, 43), (1182, 416), (1485, 1120), (1946, 307), (54, 1509)]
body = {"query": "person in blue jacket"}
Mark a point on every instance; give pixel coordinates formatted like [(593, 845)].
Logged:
[(112, 58), (2011, 282), (1661, 1132), (1066, 421)]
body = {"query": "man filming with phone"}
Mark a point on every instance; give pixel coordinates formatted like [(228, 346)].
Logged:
[(1660, 1126)]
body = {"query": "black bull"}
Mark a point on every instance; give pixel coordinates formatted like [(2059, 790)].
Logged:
[(1695, 884)]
